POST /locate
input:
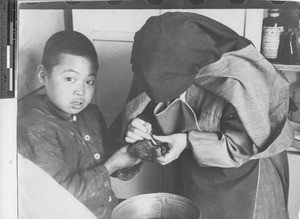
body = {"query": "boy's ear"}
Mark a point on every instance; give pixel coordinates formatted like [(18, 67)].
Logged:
[(42, 74)]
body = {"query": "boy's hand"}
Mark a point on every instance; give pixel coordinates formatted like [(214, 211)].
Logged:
[(121, 159), (138, 130), (177, 143)]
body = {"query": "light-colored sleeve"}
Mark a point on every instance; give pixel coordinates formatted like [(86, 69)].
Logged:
[(40, 196), (229, 148)]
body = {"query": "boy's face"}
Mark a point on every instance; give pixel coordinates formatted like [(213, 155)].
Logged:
[(71, 83)]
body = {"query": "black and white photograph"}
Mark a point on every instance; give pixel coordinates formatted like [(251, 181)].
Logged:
[(145, 109)]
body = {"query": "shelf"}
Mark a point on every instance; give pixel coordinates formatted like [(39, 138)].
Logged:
[(282, 67)]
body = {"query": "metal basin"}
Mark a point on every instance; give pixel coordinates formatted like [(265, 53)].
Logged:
[(156, 206)]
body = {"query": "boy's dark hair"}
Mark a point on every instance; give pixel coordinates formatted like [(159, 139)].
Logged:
[(68, 42)]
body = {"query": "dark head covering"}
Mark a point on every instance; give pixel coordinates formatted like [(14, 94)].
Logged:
[(169, 50)]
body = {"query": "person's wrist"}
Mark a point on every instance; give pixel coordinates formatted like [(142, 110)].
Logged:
[(110, 167)]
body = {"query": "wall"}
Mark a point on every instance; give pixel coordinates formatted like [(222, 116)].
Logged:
[(35, 27)]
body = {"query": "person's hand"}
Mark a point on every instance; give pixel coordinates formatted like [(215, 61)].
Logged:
[(177, 143), (121, 159), (138, 130)]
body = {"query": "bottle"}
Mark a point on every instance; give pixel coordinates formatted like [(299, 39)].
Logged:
[(273, 28), (287, 48)]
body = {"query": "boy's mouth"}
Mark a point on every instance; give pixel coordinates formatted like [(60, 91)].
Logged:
[(77, 104)]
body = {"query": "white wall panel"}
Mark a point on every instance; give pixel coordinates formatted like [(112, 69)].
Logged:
[(35, 27)]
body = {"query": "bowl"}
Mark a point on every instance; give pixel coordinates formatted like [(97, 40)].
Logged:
[(156, 206)]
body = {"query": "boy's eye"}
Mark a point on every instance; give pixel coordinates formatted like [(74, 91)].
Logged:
[(90, 82), (70, 79)]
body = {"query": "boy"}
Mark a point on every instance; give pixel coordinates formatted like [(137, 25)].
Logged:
[(64, 133)]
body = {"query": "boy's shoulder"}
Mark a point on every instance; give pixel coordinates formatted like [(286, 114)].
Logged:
[(34, 117), (26, 105), (36, 124), (38, 116)]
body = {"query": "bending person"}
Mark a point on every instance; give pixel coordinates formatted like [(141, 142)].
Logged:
[(223, 109)]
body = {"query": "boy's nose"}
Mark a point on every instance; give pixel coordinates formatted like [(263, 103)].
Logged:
[(80, 91)]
